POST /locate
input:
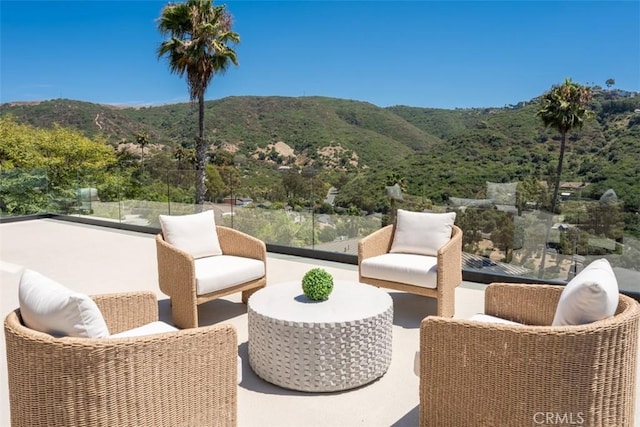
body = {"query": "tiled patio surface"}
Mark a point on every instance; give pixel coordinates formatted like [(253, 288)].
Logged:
[(97, 260)]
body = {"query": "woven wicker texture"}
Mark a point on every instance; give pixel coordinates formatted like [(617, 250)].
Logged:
[(308, 354), (176, 274), (449, 274), (184, 378), (479, 374)]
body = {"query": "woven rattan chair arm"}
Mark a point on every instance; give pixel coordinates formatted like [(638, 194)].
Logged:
[(176, 270), (522, 303), (376, 243), (127, 310), (450, 261), (237, 243)]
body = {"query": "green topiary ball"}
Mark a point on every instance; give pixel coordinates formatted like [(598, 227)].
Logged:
[(317, 284)]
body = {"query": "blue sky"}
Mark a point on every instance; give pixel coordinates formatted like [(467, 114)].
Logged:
[(442, 54)]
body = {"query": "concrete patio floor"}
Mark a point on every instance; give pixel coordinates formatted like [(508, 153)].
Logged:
[(98, 260)]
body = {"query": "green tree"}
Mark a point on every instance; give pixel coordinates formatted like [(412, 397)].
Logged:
[(395, 178), (142, 139), (502, 236), (467, 220), (216, 187), (530, 191), (352, 194), (199, 45), (610, 82), (45, 167), (231, 178), (179, 153), (65, 154), (183, 154), (293, 184), (564, 108)]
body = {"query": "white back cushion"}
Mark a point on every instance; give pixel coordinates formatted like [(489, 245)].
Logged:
[(49, 307), (591, 295), (421, 233), (195, 234)]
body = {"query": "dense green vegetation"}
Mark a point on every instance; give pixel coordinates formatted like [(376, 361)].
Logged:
[(40, 167), (355, 147)]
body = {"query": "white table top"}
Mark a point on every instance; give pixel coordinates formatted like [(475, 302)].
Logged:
[(349, 301)]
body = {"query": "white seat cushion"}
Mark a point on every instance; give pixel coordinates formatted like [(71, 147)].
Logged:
[(152, 328), (418, 270), (486, 318), (49, 307), (195, 234), (591, 295), (224, 271), (421, 233)]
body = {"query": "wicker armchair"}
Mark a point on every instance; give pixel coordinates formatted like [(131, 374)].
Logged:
[(177, 274), (484, 374), (449, 268), (184, 378)]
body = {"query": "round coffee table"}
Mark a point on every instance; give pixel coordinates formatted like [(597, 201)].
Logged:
[(338, 344)]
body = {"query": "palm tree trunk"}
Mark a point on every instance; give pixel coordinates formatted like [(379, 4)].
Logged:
[(558, 173), (201, 152), (553, 203)]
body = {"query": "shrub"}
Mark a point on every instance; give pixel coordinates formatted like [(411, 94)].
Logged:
[(317, 284)]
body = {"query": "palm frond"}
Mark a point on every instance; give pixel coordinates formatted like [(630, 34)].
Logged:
[(200, 42), (566, 106)]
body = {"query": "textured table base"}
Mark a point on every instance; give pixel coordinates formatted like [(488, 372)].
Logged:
[(322, 356)]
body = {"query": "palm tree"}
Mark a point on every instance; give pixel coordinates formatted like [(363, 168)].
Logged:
[(142, 139), (179, 153), (199, 46), (564, 108)]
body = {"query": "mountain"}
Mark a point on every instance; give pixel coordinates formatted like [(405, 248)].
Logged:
[(246, 123), (441, 153)]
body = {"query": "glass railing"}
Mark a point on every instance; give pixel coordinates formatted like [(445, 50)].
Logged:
[(503, 236)]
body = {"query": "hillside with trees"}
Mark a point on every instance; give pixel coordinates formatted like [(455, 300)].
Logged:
[(265, 142)]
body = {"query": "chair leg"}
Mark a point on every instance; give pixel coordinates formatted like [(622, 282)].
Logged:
[(446, 304), (184, 313)]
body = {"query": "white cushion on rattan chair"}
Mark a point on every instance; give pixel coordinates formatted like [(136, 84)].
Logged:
[(412, 269), (157, 327), (592, 295), (195, 234), (49, 307), (225, 271), (421, 232), (486, 318)]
